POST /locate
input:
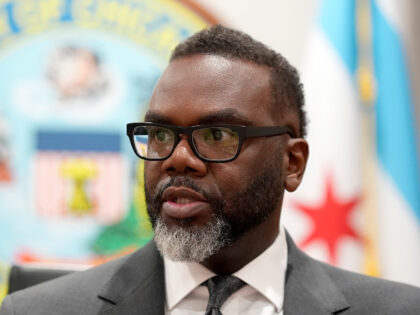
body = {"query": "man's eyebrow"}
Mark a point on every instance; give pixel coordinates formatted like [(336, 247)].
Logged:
[(228, 116), (224, 116), (157, 118)]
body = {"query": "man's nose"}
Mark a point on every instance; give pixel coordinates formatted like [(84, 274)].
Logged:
[(183, 160)]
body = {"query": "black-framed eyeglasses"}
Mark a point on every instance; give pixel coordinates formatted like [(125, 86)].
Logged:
[(211, 143)]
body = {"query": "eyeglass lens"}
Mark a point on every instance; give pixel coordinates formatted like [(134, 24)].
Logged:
[(213, 143)]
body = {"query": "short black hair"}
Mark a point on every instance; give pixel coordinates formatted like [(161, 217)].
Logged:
[(226, 42)]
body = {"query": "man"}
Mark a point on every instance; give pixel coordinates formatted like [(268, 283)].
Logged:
[(223, 139)]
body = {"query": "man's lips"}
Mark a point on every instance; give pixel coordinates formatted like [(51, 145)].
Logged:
[(183, 202)]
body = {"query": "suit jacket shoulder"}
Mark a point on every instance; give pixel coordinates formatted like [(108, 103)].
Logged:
[(94, 291), (376, 295), (313, 287), (135, 285)]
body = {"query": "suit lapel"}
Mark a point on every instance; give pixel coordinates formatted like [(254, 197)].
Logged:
[(138, 286), (308, 288)]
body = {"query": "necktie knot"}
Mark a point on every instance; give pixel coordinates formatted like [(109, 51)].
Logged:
[(220, 288)]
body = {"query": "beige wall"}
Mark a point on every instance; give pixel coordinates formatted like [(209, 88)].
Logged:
[(282, 25)]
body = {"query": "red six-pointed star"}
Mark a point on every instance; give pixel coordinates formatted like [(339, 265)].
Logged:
[(330, 220)]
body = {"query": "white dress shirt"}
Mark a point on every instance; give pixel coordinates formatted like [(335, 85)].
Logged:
[(263, 294)]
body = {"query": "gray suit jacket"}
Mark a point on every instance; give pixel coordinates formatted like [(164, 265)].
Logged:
[(134, 284)]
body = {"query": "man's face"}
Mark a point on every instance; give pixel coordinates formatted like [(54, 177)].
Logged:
[(197, 208)]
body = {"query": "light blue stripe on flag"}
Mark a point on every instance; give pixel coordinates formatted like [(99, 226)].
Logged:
[(396, 136), (337, 20)]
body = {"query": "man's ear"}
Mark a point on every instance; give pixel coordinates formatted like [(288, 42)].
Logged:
[(297, 151)]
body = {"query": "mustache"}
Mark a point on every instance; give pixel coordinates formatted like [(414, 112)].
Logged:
[(179, 181)]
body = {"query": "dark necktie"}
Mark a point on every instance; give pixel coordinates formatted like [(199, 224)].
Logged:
[(220, 288)]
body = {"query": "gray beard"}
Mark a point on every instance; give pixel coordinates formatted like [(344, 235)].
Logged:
[(180, 243), (248, 208)]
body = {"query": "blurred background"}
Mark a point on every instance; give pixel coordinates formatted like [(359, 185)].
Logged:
[(74, 72)]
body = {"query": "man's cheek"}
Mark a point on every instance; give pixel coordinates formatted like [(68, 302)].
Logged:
[(147, 171), (150, 181), (229, 186)]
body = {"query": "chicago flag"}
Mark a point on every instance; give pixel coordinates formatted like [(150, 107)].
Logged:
[(359, 204)]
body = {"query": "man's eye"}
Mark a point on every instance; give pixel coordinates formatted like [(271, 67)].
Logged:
[(161, 135), (217, 134)]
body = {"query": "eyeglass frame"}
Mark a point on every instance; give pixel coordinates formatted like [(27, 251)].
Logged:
[(243, 131)]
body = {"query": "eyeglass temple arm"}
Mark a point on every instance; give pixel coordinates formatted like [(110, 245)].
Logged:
[(268, 131)]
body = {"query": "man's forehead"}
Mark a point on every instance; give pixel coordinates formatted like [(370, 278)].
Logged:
[(217, 64), (213, 72), (210, 87)]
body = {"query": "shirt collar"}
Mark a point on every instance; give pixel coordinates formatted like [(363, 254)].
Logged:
[(266, 274), (181, 278)]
